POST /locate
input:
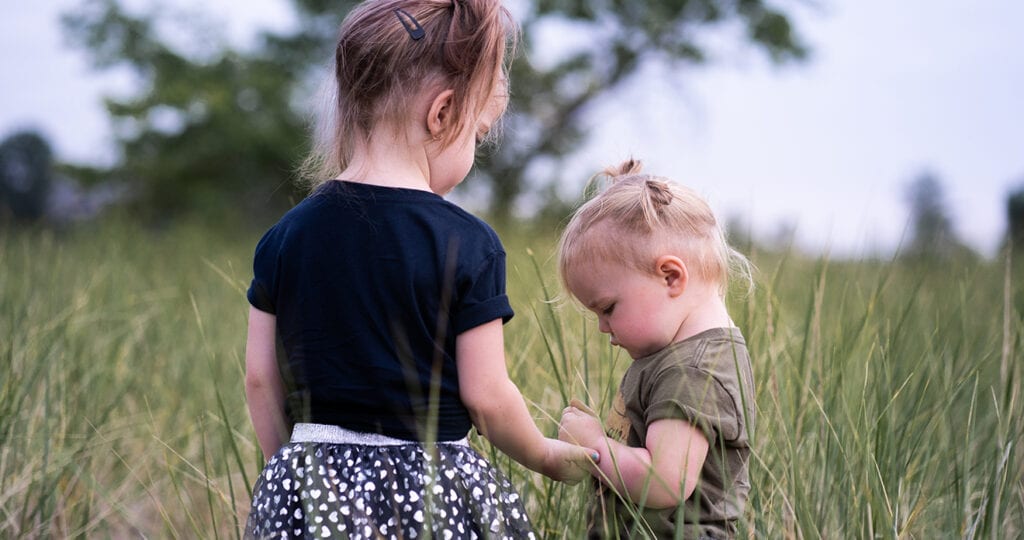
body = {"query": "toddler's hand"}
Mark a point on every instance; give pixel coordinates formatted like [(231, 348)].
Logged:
[(574, 402), (579, 425), (568, 463)]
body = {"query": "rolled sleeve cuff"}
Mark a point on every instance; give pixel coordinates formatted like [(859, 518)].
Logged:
[(473, 316), (259, 299)]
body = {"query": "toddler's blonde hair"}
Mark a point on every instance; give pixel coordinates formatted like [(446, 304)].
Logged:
[(640, 217)]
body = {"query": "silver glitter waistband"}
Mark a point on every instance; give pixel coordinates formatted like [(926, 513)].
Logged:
[(327, 433)]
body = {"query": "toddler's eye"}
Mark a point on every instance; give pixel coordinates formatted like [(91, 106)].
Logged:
[(608, 310)]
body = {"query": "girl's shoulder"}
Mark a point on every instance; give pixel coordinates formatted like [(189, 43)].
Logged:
[(339, 205)]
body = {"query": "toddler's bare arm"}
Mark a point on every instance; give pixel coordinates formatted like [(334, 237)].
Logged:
[(661, 474)]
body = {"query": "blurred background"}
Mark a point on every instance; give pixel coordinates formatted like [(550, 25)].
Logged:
[(868, 156), (829, 126)]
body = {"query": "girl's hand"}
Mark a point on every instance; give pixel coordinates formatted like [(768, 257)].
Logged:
[(568, 463)]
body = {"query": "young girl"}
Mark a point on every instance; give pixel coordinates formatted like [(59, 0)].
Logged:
[(388, 301), (648, 257)]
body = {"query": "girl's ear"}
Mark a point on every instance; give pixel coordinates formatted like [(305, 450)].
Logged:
[(672, 270), (439, 114)]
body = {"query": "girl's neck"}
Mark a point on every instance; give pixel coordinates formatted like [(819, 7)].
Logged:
[(386, 161)]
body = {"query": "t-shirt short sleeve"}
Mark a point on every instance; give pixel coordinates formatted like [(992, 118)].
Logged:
[(482, 296), (687, 393), (261, 293)]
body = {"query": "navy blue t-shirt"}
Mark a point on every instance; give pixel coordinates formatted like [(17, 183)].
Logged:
[(370, 286)]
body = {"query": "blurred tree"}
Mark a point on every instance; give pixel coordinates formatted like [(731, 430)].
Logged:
[(26, 174), (739, 234), (932, 234), (1015, 220), (548, 103), (204, 132), (1014, 245), (231, 124)]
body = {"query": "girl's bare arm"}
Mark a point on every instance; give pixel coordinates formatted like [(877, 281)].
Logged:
[(264, 391), (499, 411)]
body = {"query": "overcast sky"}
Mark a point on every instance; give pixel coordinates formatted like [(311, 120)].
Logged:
[(827, 146)]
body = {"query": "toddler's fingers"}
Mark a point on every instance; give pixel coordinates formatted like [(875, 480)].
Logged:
[(581, 406), (569, 412), (579, 454), (565, 436)]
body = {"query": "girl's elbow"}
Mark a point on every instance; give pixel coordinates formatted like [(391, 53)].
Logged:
[(486, 408), (256, 381), (479, 407), (484, 400), (471, 400)]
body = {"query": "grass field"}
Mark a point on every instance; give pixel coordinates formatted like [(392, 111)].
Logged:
[(889, 394)]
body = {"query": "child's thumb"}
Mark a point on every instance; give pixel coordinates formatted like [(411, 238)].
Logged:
[(588, 455)]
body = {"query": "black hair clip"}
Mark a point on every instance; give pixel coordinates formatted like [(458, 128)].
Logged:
[(411, 25)]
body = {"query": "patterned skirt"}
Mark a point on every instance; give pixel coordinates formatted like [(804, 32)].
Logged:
[(329, 482)]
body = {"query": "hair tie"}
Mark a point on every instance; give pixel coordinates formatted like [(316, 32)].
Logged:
[(410, 24)]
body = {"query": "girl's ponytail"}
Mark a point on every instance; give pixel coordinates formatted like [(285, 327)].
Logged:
[(391, 51)]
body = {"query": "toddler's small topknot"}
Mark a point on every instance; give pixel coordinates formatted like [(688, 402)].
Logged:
[(630, 167)]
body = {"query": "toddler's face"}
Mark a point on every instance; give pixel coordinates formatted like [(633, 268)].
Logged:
[(634, 308)]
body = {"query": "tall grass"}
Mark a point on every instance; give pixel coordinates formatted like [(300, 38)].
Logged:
[(888, 394), (120, 405)]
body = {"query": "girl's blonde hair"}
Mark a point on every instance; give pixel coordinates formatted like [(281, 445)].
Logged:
[(380, 66), (640, 217)]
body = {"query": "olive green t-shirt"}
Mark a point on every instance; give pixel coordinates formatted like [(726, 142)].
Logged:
[(707, 381)]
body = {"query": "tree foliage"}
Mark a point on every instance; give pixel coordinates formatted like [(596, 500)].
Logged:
[(1015, 220), (230, 125), (932, 232), (26, 175), (198, 134), (549, 104)]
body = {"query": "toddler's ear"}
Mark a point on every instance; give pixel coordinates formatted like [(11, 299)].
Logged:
[(673, 270)]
